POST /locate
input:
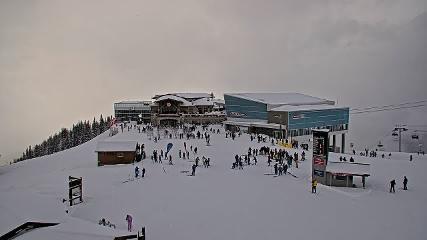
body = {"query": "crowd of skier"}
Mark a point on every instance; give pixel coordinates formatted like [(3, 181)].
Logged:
[(279, 160)]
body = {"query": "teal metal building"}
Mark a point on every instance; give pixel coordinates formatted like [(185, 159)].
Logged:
[(285, 115)]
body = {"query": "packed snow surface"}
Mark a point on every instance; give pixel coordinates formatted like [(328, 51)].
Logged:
[(217, 203)]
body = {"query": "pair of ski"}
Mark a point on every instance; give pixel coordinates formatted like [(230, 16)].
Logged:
[(186, 171), (132, 179), (274, 175)]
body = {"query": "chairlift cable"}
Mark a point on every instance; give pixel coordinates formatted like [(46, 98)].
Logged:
[(388, 106), (389, 109)]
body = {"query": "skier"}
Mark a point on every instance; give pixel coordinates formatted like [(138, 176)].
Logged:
[(170, 160), (410, 158), (392, 184), (405, 183), (275, 169), (313, 186), (143, 172), (129, 220), (285, 168), (363, 181), (280, 170), (136, 172), (193, 170)]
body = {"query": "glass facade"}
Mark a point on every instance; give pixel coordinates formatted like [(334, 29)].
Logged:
[(303, 122), (243, 108), (297, 123), (130, 111), (318, 118)]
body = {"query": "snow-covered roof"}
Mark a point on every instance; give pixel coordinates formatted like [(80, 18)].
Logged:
[(203, 102), (116, 146), (186, 95), (219, 101), (348, 168), (193, 95), (172, 97), (290, 108), (281, 98), (132, 104)]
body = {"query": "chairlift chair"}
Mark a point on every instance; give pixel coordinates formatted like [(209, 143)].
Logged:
[(395, 136)]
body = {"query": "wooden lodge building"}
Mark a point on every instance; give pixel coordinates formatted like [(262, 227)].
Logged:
[(174, 109), (116, 152)]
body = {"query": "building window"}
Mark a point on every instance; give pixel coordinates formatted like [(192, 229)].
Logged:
[(341, 178)]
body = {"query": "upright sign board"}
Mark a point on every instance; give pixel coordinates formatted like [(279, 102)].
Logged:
[(320, 155), (75, 190)]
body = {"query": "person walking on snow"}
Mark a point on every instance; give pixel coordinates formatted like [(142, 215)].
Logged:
[(129, 221), (136, 171), (143, 172), (313, 186), (405, 183), (193, 168), (392, 184)]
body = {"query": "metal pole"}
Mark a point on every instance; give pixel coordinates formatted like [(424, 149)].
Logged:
[(400, 139)]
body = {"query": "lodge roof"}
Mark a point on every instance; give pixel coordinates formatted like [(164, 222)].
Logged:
[(116, 146)]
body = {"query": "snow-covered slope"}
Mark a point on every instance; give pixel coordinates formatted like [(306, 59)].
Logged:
[(218, 203)]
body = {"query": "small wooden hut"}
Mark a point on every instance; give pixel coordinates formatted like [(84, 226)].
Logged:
[(116, 152)]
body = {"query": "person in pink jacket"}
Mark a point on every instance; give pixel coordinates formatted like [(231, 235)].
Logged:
[(129, 220)]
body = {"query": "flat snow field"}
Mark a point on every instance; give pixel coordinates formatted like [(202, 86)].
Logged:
[(217, 203)]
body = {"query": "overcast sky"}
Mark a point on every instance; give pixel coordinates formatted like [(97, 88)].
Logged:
[(64, 61)]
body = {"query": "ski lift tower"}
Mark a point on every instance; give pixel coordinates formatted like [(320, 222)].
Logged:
[(400, 129)]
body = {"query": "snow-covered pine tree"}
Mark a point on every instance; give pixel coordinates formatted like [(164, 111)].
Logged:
[(30, 152), (67, 138), (95, 128), (63, 139), (87, 131), (101, 125)]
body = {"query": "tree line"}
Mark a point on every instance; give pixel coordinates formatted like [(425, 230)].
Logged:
[(81, 132)]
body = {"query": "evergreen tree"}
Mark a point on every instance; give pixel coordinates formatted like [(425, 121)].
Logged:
[(79, 133), (101, 124), (95, 128)]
